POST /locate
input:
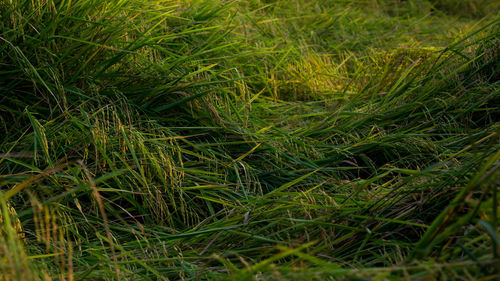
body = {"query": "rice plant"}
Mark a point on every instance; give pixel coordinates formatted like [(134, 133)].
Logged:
[(249, 140)]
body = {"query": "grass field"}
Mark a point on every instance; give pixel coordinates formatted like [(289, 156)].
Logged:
[(249, 140)]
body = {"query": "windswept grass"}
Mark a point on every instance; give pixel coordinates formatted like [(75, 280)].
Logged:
[(249, 140)]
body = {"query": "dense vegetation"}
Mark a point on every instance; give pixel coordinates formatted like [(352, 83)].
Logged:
[(249, 140)]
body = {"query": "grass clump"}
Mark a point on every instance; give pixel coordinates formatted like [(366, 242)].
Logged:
[(254, 140)]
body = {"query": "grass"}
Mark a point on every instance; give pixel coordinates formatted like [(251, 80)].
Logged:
[(249, 140)]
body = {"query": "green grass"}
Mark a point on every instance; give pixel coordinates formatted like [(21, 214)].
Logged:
[(249, 140)]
